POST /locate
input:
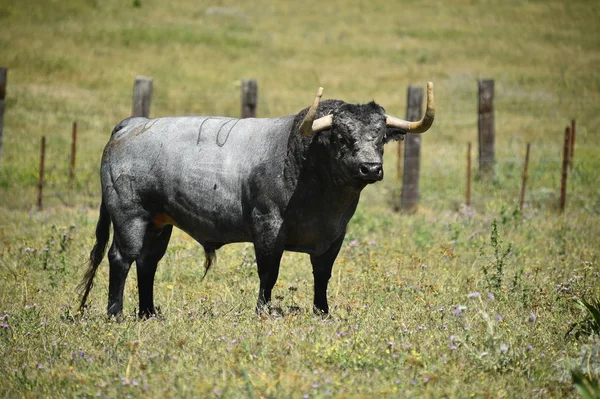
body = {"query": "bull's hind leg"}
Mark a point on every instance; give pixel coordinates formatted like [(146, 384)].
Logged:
[(156, 241), (126, 246)]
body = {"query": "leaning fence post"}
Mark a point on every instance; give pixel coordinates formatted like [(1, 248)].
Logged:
[(565, 171), (142, 96), (485, 124), (468, 197), (524, 181), (73, 152), (41, 177), (412, 152), (3, 73), (249, 98)]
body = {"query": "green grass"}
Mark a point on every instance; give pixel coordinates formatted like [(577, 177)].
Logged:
[(424, 305)]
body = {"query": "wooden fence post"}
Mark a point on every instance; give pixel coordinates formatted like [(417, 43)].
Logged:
[(524, 182), (565, 169), (485, 124), (73, 152), (412, 152), (249, 98), (468, 197), (142, 96), (41, 178), (3, 73), (572, 144)]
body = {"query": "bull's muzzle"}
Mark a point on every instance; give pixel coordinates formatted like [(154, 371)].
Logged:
[(371, 171)]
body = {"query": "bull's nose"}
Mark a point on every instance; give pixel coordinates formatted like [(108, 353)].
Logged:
[(371, 171)]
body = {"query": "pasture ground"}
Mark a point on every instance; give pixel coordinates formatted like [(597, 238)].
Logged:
[(448, 302)]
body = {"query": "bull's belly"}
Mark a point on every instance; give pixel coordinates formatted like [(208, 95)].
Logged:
[(220, 232), (210, 224)]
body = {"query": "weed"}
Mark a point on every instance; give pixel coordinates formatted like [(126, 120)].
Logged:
[(493, 270), (587, 387), (591, 324)]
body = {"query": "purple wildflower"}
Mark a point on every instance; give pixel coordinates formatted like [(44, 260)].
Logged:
[(458, 310), (473, 295), (532, 318)]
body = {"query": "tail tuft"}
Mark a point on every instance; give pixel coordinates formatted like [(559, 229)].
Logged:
[(96, 255)]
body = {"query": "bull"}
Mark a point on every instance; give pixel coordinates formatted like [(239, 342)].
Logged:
[(290, 183)]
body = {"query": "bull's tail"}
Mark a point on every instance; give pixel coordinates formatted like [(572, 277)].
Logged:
[(96, 255)]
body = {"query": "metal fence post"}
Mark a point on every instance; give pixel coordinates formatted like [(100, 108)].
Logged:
[(3, 73)]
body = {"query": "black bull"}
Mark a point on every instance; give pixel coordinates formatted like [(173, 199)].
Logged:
[(289, 183)]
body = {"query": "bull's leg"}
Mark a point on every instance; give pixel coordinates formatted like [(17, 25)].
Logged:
[(155, 245), (126, 246), (269, 242), (322, 266), (119, 268)]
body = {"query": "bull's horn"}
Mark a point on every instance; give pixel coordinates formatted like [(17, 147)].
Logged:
[(307, 124), (416, 127)]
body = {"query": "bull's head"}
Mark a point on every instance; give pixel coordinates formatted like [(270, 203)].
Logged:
[(355, 135)]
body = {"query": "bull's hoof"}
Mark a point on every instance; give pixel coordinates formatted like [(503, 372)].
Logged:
[(324, 313), (147, 314)]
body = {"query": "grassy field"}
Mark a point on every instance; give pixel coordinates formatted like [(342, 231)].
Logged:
[(448, 302)]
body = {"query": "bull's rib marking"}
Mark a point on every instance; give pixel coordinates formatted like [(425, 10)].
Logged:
[(200, 129), (228, 132)]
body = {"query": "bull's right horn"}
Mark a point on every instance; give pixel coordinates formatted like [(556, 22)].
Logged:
[(416, 127)]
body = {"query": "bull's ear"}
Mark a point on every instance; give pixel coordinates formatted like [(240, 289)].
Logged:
[(393, 134)]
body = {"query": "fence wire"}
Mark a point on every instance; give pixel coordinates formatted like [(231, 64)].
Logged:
[(442, 184)]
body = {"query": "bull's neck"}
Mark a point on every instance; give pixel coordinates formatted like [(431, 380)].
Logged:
[(311, 178)]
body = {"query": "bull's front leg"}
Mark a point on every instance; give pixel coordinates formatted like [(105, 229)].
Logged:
[(322, 266), (269, 242)]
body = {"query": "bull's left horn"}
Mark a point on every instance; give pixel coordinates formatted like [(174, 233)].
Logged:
[(416, 127), (307, 123)]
